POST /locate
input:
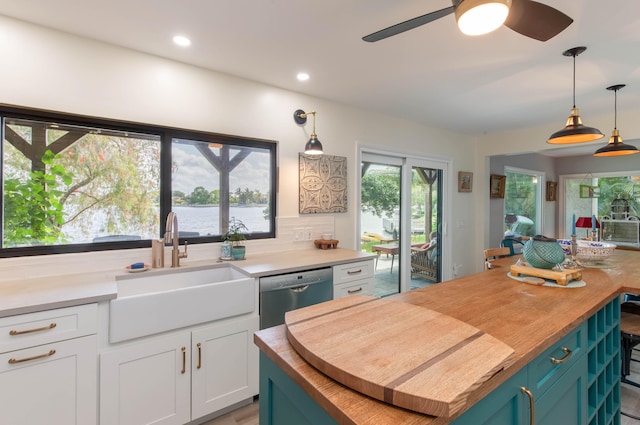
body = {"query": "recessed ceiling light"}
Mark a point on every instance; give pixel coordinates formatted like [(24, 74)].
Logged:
[(181, 40), (302, 76)]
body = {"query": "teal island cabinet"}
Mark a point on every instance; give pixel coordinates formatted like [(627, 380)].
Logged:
[(575, 381), (566, 343)]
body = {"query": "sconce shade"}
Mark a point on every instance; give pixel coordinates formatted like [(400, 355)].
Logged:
[(616, 147), (313, 146), (574, 131), (477, 17)]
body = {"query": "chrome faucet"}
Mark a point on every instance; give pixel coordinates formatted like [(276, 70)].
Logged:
[(171, 236)]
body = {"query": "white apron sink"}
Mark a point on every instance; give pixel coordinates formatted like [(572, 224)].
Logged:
[(164, 300)]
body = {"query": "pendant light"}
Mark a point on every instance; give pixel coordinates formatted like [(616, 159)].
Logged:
[(313, 146), (575, 131), (616, 147), (477, 17)]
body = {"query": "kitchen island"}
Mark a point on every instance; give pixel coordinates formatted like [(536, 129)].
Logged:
[(530, 319)]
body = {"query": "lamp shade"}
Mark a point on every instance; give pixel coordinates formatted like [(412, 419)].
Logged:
[(574, 131), (313, 146), (477, 17), (616, 147), (586, 222)]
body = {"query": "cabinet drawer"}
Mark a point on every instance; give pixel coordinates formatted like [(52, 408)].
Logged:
[(551, 364), (43, 327), (358, 287), (352, 271)]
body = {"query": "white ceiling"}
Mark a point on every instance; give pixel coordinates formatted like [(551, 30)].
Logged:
[(432, 74)]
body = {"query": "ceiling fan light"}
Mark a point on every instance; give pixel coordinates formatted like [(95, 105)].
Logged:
[(477, 17)]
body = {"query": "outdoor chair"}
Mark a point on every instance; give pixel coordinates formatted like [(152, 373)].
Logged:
[(424, 262)]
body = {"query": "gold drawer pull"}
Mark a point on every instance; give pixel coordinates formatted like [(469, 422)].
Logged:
[(566, 357), (350, 272), (532, 406), (199, 355), (41, 356), (184, 360), (28, 331), (354, 291)]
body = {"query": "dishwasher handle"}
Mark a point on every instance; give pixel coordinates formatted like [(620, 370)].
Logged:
[(300, 288)]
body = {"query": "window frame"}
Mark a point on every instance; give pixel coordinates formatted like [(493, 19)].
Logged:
[(166, 135)]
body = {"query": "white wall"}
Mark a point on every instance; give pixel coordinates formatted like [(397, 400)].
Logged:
[(41, 68)]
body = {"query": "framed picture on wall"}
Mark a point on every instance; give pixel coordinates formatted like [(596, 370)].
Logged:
[(552, 189), (465, 181), (589, 191), (496, 185)]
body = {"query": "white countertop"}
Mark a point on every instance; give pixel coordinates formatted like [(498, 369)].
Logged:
[(30, 295)]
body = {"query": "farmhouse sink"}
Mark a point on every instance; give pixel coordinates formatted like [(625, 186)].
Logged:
[(164, 300)]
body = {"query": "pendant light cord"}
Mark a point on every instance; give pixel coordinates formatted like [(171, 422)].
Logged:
[(574, 80), (615, 109)]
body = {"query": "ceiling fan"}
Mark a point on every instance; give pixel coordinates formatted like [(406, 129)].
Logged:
[(527, 17)]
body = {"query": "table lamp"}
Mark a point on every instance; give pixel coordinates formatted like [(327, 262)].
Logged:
[(588, 223)]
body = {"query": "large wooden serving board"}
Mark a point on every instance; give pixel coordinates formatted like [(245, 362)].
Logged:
[(403, 354)]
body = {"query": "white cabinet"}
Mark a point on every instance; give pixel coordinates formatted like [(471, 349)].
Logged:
[(353, 278), (181, 376), (48, 367)]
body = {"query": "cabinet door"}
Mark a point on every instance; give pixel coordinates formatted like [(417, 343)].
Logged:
[(565, 402), (50, 384), (506, 405), (148, 382), (225, 365)]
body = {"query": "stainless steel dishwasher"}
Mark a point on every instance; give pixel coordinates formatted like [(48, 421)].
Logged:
[(285, 292)]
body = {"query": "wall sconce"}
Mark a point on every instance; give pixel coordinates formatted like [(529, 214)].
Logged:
[(313, 146)]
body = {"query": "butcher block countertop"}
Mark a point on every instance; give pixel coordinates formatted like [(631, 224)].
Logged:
[(527, 318)]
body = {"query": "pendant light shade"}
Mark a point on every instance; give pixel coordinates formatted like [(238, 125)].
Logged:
[(616, 147), (574, 131), (477, 17), (313, 146)]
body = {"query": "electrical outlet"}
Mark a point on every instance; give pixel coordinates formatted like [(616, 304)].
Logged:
[(298, 234), (308, 233)]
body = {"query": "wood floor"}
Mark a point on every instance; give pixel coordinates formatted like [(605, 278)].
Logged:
[(630, 395)]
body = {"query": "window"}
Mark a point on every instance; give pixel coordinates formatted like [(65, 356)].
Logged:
[(73, 184), (523, 202)]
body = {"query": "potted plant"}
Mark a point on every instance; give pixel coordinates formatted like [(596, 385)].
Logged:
[(236, 234)]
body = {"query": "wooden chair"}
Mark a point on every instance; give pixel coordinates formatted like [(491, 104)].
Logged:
[(493, 253), (424, 262), (630, 337)]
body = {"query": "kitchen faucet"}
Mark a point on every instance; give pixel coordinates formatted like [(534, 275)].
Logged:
[(171, 236)]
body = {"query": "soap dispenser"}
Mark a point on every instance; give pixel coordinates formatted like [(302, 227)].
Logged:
[(157, 253)]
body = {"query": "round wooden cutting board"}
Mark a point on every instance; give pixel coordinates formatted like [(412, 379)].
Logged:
[(403, 354)]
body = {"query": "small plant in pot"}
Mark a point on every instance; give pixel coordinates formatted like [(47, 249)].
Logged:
[(236, 234)]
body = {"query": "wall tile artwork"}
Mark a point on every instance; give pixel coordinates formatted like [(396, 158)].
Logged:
[(323, 184)]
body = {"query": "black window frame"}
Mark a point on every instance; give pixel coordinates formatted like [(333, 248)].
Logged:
[(166, 135)]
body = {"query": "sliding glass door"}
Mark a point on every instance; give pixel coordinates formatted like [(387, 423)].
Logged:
[(401, 220)]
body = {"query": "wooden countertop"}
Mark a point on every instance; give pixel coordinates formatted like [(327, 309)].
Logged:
[(527, 318)]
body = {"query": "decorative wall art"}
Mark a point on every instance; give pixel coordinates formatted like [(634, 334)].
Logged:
[(496, 185), (589, 191), (323, 184), (552, 190), (465, 181)]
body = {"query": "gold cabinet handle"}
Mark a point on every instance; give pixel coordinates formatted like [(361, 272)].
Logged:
[(532, 406), (354, 291), (184, 360), (566, 357), (199, 355), (41, 356), (28, 331), (350, 272)]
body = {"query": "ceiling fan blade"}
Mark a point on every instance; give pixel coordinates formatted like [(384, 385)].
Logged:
[(536, 20), (408, 25)]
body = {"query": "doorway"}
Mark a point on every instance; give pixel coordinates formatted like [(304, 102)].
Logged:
[(401, 220)]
